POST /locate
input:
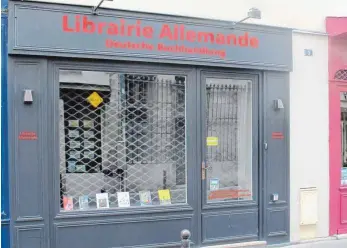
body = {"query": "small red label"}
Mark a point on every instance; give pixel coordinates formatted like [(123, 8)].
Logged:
[(26, 135), (277, 135)]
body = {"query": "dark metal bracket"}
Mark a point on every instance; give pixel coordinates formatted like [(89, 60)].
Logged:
[(97, 6)]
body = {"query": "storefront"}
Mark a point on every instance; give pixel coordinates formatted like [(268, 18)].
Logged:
[(337, 30), (126, 128)]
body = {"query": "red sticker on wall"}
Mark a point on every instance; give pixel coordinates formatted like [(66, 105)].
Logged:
[(277, 135), (26, 135)]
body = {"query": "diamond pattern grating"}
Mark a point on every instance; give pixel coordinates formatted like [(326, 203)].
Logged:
[(229, 119), (341, 75)]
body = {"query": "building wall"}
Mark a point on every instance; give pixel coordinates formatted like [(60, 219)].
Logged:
[(309, 15), (337, 29), (309, 84), (309, 158)]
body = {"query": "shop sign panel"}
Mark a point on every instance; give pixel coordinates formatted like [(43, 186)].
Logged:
[(77, 31)]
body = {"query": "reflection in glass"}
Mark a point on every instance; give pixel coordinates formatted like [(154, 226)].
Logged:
[(229, 139), (131, 139), (343, 108)]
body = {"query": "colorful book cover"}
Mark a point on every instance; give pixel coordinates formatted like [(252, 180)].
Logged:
[(68, 203), (145, 198), (83, 202), (123, 199), (102, 200), (164, 197)]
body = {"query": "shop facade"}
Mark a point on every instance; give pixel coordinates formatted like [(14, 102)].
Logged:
[(337, 30), (126, 128)]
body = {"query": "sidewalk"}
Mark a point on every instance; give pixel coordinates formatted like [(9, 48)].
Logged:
[(330, 242)]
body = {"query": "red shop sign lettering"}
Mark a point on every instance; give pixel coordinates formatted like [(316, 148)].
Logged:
[(27, 135)]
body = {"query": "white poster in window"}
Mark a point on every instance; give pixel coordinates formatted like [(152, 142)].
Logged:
[(73, 133), (88, 154), (88, 124), (75, 144), (80, 168), (88, 144), (102, 200), (123, 199), (88, 134), (75, 154)]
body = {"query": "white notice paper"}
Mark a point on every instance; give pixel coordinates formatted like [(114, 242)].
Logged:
[(123, 199), (102, 200)]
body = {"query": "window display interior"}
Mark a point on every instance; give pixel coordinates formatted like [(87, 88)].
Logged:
[(122, 140), (229, 139)]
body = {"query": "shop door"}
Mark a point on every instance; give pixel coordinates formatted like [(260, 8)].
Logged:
[(229, 152)]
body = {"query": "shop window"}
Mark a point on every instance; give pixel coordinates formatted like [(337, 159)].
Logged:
[(122, 140), (229, 123), (341, 75), (343, 105)]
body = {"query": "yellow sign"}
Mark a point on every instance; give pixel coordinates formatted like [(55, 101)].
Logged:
[(212, 141), (164, 196), (95, 99)]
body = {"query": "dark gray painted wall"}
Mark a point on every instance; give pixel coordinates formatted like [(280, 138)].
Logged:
[(34, 195), (29, 163), (36, 219), (276, 158)]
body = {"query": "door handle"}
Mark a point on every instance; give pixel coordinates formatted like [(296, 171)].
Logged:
[(205, 166)]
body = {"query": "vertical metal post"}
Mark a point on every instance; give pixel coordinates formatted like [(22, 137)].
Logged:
[(185, 238)]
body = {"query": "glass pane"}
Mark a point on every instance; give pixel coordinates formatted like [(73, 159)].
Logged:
[(122, 140), (343, 107), (229, 139)]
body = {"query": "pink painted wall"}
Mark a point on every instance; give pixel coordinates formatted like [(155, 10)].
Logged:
[(337, 30)]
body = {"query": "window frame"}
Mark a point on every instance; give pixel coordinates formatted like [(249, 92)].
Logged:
[(256, 129), (82, 65)]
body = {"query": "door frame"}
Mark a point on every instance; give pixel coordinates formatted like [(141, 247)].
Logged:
[(337, 226), (258, 174)]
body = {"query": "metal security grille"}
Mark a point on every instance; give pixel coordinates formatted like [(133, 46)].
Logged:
[(132, 140), (229, 119), (341, 75)]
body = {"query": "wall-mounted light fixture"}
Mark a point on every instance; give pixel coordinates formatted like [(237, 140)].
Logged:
[(28, 96), (253, 13), (278, 104), (97, 6)]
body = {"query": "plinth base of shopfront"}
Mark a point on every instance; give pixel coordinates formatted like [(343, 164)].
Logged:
[(256, 244)]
